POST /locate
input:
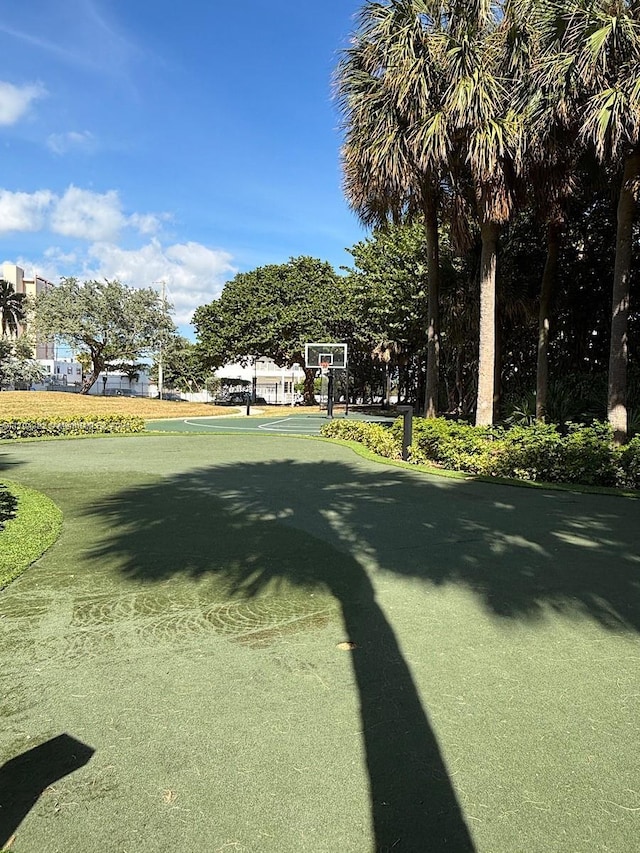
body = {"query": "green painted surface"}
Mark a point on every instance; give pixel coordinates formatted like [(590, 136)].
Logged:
[(241, 424), (185, 627)]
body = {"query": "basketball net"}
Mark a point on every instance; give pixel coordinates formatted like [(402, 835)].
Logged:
[(324, 367)]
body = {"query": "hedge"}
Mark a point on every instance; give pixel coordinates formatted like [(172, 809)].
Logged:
[(76, 425), (584, 455), (382, 440)]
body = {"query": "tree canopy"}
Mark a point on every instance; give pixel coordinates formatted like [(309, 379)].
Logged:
[(106, 319), (273, 311), (183, 367)]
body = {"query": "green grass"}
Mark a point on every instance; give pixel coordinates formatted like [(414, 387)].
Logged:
[(26, 536)]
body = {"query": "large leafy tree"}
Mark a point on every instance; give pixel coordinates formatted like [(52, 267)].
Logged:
[(105, 319), (183, 366), (12, 308), (387, 295), (273, 311)]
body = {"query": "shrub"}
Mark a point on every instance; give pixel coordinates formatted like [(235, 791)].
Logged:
[(529, 453), (76, 425), (585, 454), (380, 439), (589, 456), (454, 445), (629, 473), (540, 452)]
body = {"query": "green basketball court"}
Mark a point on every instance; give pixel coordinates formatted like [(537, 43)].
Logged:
[(251, 642), (288, 425)]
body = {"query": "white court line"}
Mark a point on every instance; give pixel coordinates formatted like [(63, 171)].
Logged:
[(272, 424), (217, 426), (270, 427)]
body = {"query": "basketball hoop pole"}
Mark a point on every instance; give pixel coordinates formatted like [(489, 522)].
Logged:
[(330, 394), (346, 395)]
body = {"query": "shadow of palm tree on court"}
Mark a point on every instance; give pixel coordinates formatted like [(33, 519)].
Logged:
[(315, 526)]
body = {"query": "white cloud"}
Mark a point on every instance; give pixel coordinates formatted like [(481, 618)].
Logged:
[(84, 214), (88, 215), (147, 223), (62, 143), (16, 100), (24, 211), (194, 274)]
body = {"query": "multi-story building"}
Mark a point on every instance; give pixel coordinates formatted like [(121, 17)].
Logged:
[(30, 287)]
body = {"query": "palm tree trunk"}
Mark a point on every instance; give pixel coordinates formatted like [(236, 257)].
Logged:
[(487, 348), (433, 284), (618, 353), (546, 290), (497, 370)]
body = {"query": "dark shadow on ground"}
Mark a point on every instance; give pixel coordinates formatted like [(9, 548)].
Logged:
[(312, 526), (7, 463), (25, 777)]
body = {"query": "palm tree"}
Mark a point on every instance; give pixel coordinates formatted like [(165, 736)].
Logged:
[(591, 73), (389, 88), (12, 308), (487, 143)]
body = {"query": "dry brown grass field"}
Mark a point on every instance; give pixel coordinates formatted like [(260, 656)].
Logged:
[(17, 404)]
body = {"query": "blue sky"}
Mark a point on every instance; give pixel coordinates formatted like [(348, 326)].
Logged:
[(151, 140)]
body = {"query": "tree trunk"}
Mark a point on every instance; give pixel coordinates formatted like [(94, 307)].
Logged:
[(309, 392), (97, 366), (387, 386), (546, 290), (618, 353), (433, 285), (459, 382), (497, 370), (487, 348)]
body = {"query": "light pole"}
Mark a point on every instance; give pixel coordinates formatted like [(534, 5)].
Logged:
[(254, 381), (163, 302)]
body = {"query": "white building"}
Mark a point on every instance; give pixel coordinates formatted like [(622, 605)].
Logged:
[(61, 372), (275, 384), (114, 383)]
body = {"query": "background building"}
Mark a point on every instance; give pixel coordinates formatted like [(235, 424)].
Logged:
[(31, 287), (274, 384)]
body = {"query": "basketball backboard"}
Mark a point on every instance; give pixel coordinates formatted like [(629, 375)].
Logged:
[(332, 356)]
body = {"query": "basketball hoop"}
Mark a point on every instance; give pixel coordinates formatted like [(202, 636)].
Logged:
[(324, 367)]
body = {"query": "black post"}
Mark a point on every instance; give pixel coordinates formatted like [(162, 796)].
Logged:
[(346, 408), (248, 404), (407, 435), (330, 394)]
